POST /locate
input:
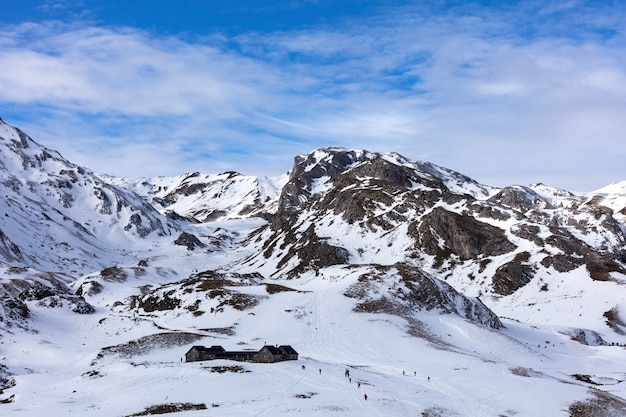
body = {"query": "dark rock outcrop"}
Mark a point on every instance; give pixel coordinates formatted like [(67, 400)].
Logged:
[(519, 198), (404, 290), (189, 240), (443, 233), (513, 275)]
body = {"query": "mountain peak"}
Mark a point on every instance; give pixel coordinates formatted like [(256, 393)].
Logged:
[(314, 173), (618, 187)]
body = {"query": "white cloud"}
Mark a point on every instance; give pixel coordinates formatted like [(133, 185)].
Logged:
[(98, 70), (467, 91)]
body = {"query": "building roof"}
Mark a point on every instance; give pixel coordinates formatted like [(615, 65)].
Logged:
[(216, 348), (287, 350), (272, 349), (212, 349)]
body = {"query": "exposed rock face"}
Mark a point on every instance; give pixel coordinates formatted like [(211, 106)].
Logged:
[(513, 275), (9, 251), (522, 199), (311, 251), (56, 297), (443, 233), (318, 254), (189, 240), (13, 312), (308, 169)]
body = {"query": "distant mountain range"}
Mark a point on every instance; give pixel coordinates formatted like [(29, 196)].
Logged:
[(407, 239)]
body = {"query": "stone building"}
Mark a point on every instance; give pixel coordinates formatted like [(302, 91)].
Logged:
[(267, 354)]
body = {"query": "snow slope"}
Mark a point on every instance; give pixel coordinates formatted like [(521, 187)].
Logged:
[(58, 216), (461, 369), (388, 268)]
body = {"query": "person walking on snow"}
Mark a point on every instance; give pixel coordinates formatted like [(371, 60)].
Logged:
[(365, 396)]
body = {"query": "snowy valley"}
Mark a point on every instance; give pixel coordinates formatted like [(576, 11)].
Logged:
[(441, 296)]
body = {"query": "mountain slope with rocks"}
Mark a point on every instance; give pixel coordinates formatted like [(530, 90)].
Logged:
[(49, 202), (361, 208), (204, 197), (439, 295)]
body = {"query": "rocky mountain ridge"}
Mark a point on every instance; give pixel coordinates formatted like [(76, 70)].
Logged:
[(335, 207), (429, 219)]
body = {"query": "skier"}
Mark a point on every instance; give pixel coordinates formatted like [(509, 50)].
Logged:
[(365, 396)]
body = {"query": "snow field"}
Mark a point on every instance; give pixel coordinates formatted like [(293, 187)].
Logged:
[(479, 373)]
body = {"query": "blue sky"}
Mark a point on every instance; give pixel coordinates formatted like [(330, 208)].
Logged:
[(504, 92)]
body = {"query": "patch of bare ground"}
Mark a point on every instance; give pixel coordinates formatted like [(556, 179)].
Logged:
[(114, 274), (216, 286), (586, 337), (525, 372), (585, 378), (614, 321), (276, 288), (92, 374), (226, 331), (600, 404), (437, 412), (231, 368), (148, 343), (307, 395), (169, 408), (417, 329)]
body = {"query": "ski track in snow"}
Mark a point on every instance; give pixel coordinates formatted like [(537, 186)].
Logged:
[(320, 338)]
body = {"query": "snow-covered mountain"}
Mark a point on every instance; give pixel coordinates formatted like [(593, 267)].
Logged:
[(62, 217), (440, 295), (207, 197), (368, 208)]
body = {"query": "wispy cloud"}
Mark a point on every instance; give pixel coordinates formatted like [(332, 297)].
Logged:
[(470, 88)]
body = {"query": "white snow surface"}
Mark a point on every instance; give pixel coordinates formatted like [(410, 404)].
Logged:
[(110, 363), (465, 370)]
